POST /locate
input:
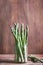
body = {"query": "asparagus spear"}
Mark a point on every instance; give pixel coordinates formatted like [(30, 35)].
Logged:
[(20, 41), (35, 59)]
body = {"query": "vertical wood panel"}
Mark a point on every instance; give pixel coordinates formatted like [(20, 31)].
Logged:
[(23, 11)]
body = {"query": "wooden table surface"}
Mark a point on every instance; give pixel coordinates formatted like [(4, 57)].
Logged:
[(8, 59)]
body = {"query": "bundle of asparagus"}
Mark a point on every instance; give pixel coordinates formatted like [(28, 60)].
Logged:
[(21, 40)]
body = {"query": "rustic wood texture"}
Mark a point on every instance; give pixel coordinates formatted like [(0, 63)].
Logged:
[(21, 64), (11, 57), (23, 11), (29, 63), (8, 59)]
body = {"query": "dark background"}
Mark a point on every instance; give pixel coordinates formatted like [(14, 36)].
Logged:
[(23, 11)]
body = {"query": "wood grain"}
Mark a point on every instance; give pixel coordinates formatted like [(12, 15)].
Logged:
[(8, 59), (23, 11)]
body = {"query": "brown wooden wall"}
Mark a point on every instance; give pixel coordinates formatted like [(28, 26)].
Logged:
[(27, 11)]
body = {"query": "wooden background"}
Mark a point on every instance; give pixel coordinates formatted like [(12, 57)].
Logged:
[(23, 11)]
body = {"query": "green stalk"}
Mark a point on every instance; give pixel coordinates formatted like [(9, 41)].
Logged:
[(25, 43), (22, 35), (20, 39)]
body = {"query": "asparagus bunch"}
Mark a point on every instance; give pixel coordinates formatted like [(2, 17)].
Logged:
[(21, 37), (21, 40)]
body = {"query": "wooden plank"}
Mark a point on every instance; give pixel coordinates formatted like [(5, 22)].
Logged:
[(23, 11), (21, 64), (8, 59), (11, 57)]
